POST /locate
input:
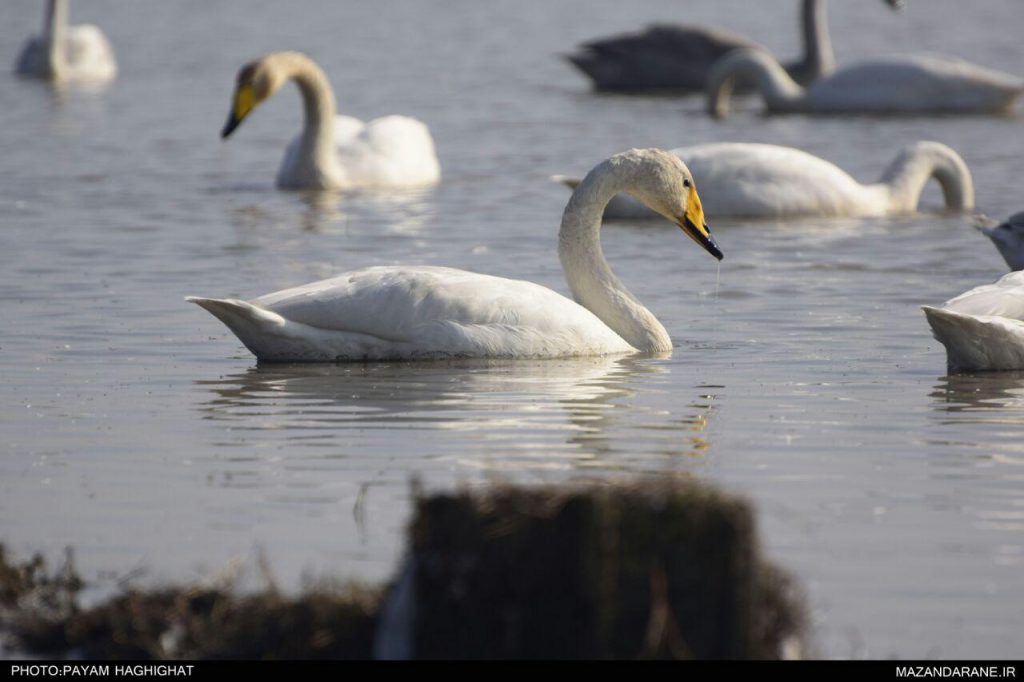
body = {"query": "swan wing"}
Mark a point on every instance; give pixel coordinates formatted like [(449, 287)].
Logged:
[(1004, 298), (914, 83), (388, 151), (409, 312), (346, 129)]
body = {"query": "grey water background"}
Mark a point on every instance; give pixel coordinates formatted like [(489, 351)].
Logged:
[(137, 430)]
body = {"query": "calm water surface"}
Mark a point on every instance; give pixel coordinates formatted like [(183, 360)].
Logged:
[(139, 431)]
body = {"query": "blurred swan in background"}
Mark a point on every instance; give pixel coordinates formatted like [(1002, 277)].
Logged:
[(335, 152), (1008, 237), (678, 58), (982, 329), (912, 84), (65, 53), (772, 181), (410, 312)]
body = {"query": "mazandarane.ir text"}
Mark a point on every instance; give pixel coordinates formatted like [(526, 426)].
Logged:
[(971, 671)]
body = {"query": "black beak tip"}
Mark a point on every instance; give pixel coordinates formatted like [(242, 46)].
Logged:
[(229, 128)]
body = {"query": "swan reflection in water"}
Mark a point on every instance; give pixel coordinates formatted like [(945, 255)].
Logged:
[(405, 212), (507, 414), (1001, 393)]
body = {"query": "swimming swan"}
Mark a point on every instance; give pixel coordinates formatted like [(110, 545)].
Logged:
[(335, 152), (409, 312), (771, 181), (982, 329), (1008, 237), (67, 53), (912, 84), (678, 58)]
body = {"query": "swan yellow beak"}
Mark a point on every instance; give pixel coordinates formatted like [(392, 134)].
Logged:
[(694, 226), (245, 102)]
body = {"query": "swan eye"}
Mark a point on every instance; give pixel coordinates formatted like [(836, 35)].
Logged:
[(686, 182)]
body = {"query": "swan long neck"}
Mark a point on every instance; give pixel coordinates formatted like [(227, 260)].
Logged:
[(317, 139), (819, 59), (916, 164), (593, 284), (55, 22), (780, 92)]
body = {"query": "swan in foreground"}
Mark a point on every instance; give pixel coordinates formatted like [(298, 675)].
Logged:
[(411, 312), (912, 84), (1008, 237), (772, 181), (67, 53), (983, 329), (335, 152), (678, 58)]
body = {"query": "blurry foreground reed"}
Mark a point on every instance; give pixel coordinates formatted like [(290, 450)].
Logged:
[(658, 570)]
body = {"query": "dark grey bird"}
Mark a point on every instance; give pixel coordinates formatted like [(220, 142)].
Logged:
[(1008, 236), (673, 58)]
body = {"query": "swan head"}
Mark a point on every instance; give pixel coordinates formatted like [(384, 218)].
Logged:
[(662, 182), (257, 82), (1008, 237)]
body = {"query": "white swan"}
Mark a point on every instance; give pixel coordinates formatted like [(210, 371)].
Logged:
[(335, 152), (983, 329), (771, 181), (65, 53), (427, 312), (913, 84), (1008, 237), (678, 58)]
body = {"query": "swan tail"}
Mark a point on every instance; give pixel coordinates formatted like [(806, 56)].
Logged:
[(977, 343), (566, 180), (251, 324)]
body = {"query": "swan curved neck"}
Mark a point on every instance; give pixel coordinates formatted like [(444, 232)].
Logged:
[(780, 92), (317, 138), (593, 284), (916, 164), (819, 59), (55, 22)]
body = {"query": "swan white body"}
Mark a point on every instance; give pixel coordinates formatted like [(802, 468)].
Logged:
[(679, 58), (772, 181), (406, 312), (66, 54), (415, 312), (913, 84), (1008, 237), (983, 329), (332, 151)]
